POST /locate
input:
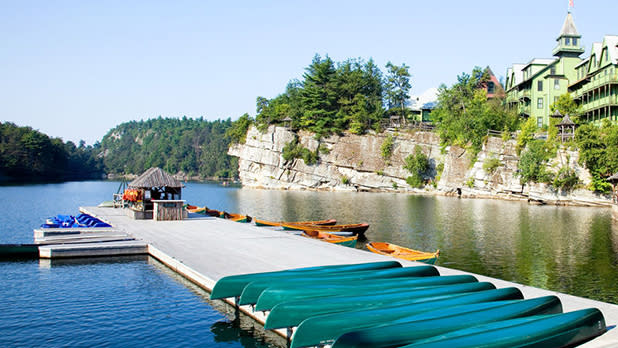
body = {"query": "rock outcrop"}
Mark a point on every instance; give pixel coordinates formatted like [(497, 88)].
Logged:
[(355, 163)]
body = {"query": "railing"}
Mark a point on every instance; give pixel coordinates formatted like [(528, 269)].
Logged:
[(499, 134)]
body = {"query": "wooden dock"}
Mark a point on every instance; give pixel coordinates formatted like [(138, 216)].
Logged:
[(204, 249)]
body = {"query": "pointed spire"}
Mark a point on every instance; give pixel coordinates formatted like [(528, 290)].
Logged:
[(568, 28)]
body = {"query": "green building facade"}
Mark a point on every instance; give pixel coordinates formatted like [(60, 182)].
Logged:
[(531, 88), (593, 82)]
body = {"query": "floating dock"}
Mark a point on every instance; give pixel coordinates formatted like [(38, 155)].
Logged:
[(205, 249)]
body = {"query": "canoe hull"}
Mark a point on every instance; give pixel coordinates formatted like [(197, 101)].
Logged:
[(232, 286), (399, 252)]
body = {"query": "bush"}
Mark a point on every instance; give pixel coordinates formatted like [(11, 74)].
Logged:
[(387, 147), (417, 162), (532, 164), (415, 181), (294, 150), (345, 180), (491, 164), (566, 179)]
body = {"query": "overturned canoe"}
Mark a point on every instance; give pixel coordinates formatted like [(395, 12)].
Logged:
[(324, 329), (349, 241), (274, 295), (253, 290), (355, 228), (292, 313), (259, 222), (554, 330), (403, 253), (421, 326), (232, 286)]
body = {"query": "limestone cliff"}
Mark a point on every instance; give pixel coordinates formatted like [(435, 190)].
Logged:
[(354, 163)]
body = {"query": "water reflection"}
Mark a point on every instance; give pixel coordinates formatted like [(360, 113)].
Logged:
[(566, 249)]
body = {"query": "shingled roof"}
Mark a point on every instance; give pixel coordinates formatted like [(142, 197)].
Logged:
[(155, 177)]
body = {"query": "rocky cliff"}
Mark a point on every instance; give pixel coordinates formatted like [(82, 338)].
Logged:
[(355, 163)]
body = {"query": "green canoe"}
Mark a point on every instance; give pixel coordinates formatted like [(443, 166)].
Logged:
[(232, 286), (276, 294), (324, 329), (558, 330), (292, 313), (253, 290), (429, 324)]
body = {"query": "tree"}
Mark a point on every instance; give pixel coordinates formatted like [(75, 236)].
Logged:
[(397, 86), (464, 114), (319, 96), (566, 105)]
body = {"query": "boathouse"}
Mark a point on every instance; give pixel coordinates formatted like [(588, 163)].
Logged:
[(155, 195)]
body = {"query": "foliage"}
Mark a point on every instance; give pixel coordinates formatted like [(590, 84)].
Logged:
[(491, 164), (294, 149), (27, 154), (532, 163), (566, 105), (331, 98), (439, 170), (599, 152), (345, 180), (464, 114), (418, 165), (380, 172), (194, 146), (387, 147), (470, 182), (527, 134), (566, 179), (238, 131), (397, 87)]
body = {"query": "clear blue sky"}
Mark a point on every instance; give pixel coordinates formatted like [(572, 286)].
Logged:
[(76, 69)]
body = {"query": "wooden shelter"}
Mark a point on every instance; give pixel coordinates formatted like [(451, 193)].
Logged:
[(566, 129), (155, 194)]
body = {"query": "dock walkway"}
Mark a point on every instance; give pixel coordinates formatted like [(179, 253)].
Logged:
[(204, 249)]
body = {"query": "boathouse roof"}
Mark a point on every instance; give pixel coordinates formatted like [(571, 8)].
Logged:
[(155, 177)]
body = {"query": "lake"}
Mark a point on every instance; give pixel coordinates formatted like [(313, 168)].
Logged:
[(137, 301)]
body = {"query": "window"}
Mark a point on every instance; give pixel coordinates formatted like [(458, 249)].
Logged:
[(539, 122), (574, 41), (539, 86), (567, 41), (556, 83), (491, 87), (539, 103), (553, 70)]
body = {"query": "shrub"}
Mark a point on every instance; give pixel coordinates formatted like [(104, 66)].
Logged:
[(415, 181), (345, 180), (387, 147), (470, 182), (491, 164), (294, 149), (566, 179)]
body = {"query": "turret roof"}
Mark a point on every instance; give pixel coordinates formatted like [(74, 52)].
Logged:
[(568, 28)]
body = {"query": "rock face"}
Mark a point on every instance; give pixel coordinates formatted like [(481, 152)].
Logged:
[(355, 163)]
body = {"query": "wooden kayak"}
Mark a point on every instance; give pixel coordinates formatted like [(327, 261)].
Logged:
[(274, 295), (418, 327), (235, 217), (233, 285), (202, 210), (358, 229), (324, 329), (292, 313), (253, 290), (331, 238), (259, 222), (403, 253), (557, 330)]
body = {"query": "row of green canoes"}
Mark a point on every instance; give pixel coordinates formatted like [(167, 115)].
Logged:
[(382, 304)]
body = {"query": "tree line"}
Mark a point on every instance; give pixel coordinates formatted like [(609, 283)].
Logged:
[(353, 95), (27, 154)]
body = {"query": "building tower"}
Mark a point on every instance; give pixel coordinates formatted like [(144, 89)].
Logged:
[(569, 41)]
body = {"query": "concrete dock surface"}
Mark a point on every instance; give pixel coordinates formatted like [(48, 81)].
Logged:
[(204, 249)]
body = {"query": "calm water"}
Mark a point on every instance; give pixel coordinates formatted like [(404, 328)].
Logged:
[(138, 302)]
